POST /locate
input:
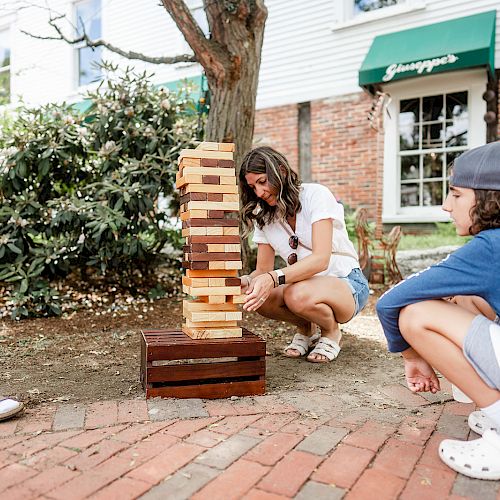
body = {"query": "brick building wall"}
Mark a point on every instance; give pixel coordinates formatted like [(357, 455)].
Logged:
[(346, 152)]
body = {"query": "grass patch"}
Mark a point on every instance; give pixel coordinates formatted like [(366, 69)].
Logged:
[(443, 235)]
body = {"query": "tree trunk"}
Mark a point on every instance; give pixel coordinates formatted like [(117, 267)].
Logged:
[(231, 60)]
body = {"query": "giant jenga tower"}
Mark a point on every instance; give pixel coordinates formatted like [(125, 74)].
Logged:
[(209, 205)]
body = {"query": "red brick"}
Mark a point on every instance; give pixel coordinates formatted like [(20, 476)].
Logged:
[(344, 466), (289, 474), (95, 455), (88, 438), (273, 405), (42, 441), (429, 483), (8, 428), (222, 408), (398, 458), (304, 426), (166, 463), (430, 456), (234, 482), (273, 448), (48, 458), (376, 484), (14, 474), (456, 408), (256, 494), (135, 410), (274, 423), (404, 395), (370, 435), (205, 438), (184, 428), (101, 414), (416, 430), (148, 448), (122, 489), (232, 425), (50, 479), (10, 442), (137, 432), (36, 420)]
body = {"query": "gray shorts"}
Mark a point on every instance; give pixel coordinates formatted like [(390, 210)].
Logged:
[(479, 349)]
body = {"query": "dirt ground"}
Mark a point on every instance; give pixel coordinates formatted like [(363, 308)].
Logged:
[(94, 355)]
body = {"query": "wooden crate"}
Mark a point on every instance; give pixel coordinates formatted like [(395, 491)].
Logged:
[(174, 365)]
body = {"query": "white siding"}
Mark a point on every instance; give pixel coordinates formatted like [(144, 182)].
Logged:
[(304, 57)]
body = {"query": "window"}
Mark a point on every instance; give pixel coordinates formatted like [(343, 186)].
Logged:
[(88, 20), (361, 6), (4, 67), (433, 131)]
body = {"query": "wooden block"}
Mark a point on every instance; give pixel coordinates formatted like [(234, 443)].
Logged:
[(195, 248), (215, 247), (215, 238), (190, 273), (226, 146), (212, 333), (195, 265), (216, 214), (220, 282), (216, 231), (237, 299), (210, 179), (195, 231), (199, 153), (226, 172), (197, 282), (210, 162), (211, 256), (231, 231), (199, 305), (217, 264), (232, 264), (189, 162), (229, 197), (232, 282), (195, 197), (210, 223), (212, 291), (219, 197), (225, 163), (210, 188), (230, 248), (189, 179), (213, 205), (204, 324), (234, 316), (208, 146), (227, 180), (194, 214), (226, 367), (216, 299)]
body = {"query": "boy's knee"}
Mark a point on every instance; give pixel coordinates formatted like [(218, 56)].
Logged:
[(411, 319)]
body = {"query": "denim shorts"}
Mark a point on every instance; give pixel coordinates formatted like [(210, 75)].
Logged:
[(359, 287), (482, 349)]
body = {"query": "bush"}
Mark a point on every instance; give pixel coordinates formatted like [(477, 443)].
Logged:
[(80, 191)]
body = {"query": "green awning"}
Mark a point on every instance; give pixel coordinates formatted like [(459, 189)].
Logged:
[(466, 42)]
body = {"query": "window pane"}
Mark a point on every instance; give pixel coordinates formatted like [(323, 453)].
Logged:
[(88, 18), (408, 118), (4, 87), (409, 167), (410, 196), (432, 108), (433, 165), (457, 123), (456, 104), (432, 136), (432, 194), (4, 48), (88, 69), (368, 5)]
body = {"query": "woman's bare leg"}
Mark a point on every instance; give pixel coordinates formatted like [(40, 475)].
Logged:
[(436, 330)]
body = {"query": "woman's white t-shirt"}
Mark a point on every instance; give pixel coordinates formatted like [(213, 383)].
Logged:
[(318, 203)]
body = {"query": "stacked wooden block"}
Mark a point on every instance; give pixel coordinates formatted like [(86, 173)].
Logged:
[(209, 205)]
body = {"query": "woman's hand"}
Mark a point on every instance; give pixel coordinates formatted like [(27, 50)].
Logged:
[(259, 290), (420, 376), (245, 282)]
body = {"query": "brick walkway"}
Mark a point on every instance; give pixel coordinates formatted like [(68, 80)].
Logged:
[(252, 448)]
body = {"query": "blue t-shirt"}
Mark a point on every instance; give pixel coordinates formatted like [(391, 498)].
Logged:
[(473, 269)]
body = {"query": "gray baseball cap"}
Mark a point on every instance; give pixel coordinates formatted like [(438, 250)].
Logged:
[(478, 168)]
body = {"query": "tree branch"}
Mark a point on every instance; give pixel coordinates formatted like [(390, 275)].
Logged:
[(83, 38)]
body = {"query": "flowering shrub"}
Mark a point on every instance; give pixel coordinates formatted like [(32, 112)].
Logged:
[(80, 191)]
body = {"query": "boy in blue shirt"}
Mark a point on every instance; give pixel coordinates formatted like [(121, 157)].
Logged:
[(445, 317)]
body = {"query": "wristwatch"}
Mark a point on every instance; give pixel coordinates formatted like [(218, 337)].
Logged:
[(281, 276)]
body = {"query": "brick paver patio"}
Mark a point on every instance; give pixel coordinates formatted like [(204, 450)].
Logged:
[(252, 448)]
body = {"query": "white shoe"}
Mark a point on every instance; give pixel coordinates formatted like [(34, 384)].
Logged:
[(479, 459), (479, 422), (9, 408)]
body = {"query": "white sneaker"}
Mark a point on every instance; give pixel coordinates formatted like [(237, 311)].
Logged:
[(479, 422), (9, 408)]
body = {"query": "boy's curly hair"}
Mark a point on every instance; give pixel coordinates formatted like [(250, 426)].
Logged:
[(485, 214)]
